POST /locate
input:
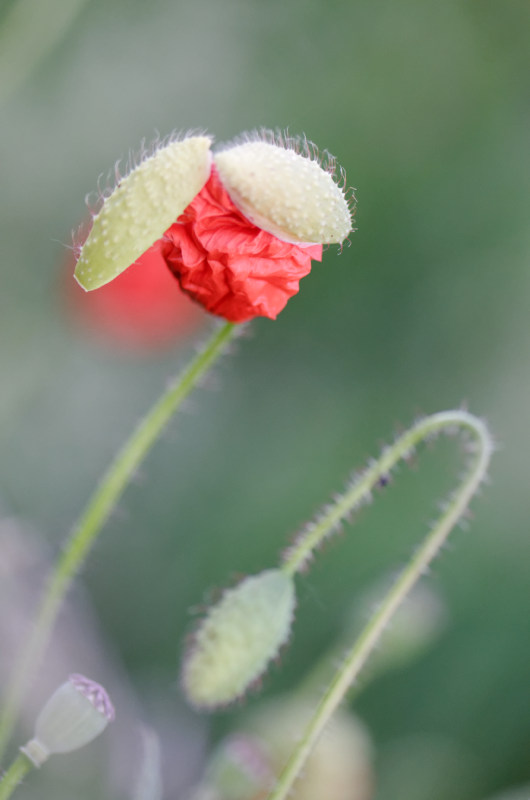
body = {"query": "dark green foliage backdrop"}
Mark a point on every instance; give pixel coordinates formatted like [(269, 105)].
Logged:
[(426, 106)]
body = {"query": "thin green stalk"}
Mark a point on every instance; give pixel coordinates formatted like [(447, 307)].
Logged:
[(94, 516), (14, 775), (456, 507)]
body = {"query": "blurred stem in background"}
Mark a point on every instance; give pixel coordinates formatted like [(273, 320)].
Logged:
[(456, 507), (94, 516), (29, 31), (149, 781), (14, 775)]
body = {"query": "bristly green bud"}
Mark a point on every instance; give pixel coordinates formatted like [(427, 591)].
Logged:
[(285, 192), (238, 638), (141, 209), (75, 714)]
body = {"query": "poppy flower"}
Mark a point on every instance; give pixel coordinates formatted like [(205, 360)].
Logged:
[(238, 229)]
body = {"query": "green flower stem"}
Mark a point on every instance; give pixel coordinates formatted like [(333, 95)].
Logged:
[(456, 507), (94, 516), (14, 775)]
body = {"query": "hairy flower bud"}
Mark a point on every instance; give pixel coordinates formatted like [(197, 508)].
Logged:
[(237, 231), (75, 714), (285, 193), (141, 208), (239, 636)]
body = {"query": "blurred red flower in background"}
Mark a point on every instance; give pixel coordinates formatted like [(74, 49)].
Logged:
[(144, 308)]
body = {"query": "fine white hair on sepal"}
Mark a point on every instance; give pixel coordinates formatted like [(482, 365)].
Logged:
[(142, 206), (299, 144), (287, 186), (109, 181)]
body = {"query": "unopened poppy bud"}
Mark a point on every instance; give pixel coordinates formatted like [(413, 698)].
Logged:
[(238, 638), (339, 767), (141, 208), (76, 713), (285, 193)]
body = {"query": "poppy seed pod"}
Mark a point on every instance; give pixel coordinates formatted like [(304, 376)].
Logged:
[(238, 638), (141, 208), (285, 193), (75, 714)]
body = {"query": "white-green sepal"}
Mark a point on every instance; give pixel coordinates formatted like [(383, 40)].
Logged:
[(285, 193), (141, 209)]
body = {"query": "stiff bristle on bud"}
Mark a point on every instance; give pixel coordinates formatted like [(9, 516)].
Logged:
[(287, 194), (237, 639), (76, 713), (141, 208)]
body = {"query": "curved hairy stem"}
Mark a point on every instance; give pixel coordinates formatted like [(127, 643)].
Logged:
[(356, 658), (94, 516)]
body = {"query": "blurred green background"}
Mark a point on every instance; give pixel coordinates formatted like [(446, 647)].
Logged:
[(427, 106)]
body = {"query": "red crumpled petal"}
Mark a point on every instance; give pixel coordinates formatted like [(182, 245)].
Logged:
[(231, 267)]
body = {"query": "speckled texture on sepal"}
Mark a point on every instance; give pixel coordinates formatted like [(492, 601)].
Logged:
[(141, 209)]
